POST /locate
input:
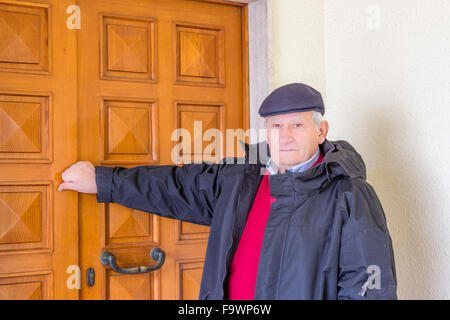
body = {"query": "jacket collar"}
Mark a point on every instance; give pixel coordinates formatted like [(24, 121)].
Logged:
[(339, 159)]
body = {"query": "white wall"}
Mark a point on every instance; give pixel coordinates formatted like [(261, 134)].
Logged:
[(387, 91), (298, 42)]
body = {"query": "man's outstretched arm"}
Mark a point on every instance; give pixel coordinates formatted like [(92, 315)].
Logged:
[(186, 193)]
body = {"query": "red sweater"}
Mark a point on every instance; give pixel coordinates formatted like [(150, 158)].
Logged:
[(244, 267)]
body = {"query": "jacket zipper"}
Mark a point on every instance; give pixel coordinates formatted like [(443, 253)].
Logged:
[(233, 238), (236, 234)]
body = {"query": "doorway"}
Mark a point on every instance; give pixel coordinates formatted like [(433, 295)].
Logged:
[(112, 93)]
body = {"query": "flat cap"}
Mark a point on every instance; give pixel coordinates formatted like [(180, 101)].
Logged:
[(290, 98)]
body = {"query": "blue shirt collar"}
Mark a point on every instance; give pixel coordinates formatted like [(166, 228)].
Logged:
[(273, 168)]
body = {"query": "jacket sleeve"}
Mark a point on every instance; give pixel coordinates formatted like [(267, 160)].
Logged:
[(186, 193), (366, 263)]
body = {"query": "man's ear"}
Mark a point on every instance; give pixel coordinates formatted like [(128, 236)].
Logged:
[(323, 131)]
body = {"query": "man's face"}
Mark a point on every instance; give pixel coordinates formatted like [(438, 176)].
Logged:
[(298, 137)]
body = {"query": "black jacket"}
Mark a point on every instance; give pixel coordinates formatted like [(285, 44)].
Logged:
[(326, 236)]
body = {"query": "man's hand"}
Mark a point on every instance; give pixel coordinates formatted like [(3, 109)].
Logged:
[(79, 177)]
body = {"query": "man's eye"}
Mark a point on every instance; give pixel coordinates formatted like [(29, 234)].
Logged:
[(297, 125), (275, 125)]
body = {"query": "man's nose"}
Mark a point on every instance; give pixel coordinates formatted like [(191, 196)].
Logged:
[(285, 136)]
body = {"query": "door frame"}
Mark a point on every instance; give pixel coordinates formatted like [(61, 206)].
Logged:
[(241, 17)]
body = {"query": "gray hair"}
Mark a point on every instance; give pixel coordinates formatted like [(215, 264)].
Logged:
[(317, 117)]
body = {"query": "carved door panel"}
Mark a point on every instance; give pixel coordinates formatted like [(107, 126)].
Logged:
[(146, 68), (38, 226)]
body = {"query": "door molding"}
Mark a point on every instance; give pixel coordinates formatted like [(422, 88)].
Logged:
[(261, 66), (260, 57)]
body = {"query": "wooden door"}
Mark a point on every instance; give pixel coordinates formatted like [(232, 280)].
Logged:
[(38, 225), (147, 67)]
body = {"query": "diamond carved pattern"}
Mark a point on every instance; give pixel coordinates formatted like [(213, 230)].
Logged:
[(199, 52), (124, 222), (208, 116), (24, 38), (26, 130), (32, 286), (197, 55), (209, 120), (129, 131), (21, 127), (20, 217), (21, 291), (189, 278), (130, 287), (128, 50), (25, 216), (19, 41)]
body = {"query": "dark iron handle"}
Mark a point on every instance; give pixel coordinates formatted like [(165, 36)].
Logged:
[(108, 259)]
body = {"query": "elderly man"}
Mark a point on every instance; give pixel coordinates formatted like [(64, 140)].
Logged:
[(309, 227)]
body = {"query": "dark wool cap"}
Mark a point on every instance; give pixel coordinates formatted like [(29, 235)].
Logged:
[(293, 97)]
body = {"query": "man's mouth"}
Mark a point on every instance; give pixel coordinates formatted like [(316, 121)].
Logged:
[(288, 150)]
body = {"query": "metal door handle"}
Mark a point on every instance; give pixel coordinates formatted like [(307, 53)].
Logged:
[(108, 259)]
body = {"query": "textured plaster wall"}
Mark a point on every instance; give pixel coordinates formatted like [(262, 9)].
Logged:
[(383, 67), (388, 92), (286, 45), (298, 42)]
